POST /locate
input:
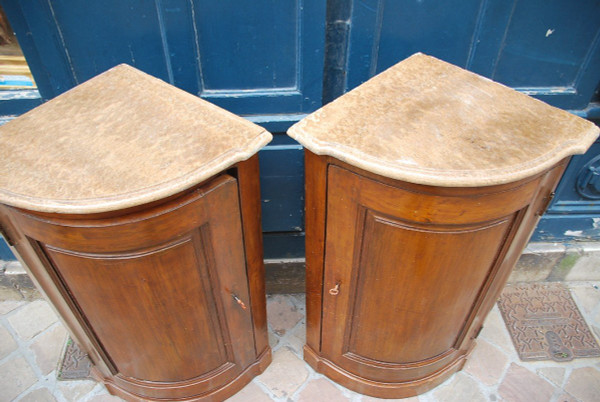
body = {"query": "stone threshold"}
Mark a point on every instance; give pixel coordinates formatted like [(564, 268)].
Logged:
[(540, 262), (558, 262)]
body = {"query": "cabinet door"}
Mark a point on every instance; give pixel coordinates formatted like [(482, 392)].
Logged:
[(158, 289), (404, 272)]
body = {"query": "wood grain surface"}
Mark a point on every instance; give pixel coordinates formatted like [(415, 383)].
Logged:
[(402, 275)]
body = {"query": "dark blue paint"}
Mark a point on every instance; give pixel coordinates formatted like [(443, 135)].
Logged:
[(180, 47), (426, 27), (336, 50), (276, 123), (567, 199), (17, 106), (98, 37), (502, 40), (493, 19), (5, 253), (281, 138), (305, 95), (253, 58), (264, 60), (571, 216), (283, 245), (548, 41), (46, 46), (554, 56), (251, 53), (567, 228), (282, 187), (386, 32), (592, 111)]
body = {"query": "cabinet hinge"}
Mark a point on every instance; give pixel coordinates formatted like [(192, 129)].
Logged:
[(546, 204), (4, 234)]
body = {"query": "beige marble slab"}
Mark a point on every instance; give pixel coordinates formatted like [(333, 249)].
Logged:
[(121, 139), (429, 122)]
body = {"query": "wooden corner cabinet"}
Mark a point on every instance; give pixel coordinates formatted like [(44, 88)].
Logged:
[(136, 209), (423, 186)]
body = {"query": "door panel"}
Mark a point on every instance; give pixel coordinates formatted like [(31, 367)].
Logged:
[(409, 272), (161, 306), (405, 297), (254, 58), (550, 50), (247, 43), (549, 42), (171, 281)]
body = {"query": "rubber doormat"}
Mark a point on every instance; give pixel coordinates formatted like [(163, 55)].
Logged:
[(545, 323), (75, 364)]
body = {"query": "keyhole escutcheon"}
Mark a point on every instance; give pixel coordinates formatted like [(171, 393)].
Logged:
[(334, 291)]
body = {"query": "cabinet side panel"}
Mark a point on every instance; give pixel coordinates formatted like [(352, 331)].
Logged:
[(316, 203), (404, 271), (249, 193), (150, 304), (413, 286)]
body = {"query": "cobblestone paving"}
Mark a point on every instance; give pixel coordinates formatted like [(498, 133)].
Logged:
[(32, 340)]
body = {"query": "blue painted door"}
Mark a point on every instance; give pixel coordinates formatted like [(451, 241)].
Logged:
[(575, 211), (262, 59), (253, 58), (274, 61), (547, 49)]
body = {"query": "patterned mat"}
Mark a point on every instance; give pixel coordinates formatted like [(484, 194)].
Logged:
[(545, 323), (75, 364)]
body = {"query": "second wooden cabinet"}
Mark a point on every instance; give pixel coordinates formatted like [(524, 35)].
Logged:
[(401, 276), (423, 186)]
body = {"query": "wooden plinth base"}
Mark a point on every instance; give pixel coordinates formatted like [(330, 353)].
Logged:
[(380, 389), (172, 391)]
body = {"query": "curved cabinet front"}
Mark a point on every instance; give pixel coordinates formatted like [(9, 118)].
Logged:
[(162, 293), (408, 273)]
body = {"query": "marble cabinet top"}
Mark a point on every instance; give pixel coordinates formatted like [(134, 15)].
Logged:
[(428, 122), (119, 140)]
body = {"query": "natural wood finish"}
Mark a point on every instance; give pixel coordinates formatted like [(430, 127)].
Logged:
[(218, 395), (374, 388), (417, 269), (315, 193), (536, 209), (149, 294), (249, 192)]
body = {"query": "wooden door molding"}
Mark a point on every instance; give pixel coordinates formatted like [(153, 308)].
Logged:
[(152, 295), (403, 274)]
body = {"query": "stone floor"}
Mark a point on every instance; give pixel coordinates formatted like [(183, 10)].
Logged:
[(32, 339)]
